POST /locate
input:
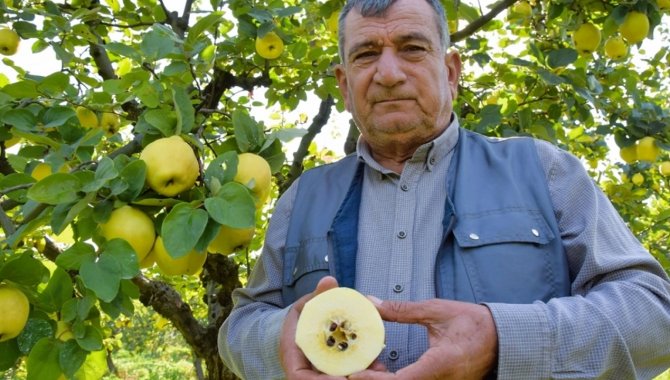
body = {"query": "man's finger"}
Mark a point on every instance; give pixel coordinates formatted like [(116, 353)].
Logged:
[(324, 284), (424, 312)]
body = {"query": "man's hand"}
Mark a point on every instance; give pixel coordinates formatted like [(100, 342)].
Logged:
[(462, 336), (295, 364)]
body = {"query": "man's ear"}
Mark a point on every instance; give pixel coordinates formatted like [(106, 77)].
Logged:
[(452, 60), (341, 76)]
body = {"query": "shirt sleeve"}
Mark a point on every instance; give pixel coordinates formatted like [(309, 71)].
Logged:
[(616, 323), (248, 339)]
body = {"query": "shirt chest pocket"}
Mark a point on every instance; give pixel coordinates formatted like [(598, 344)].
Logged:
[(508, 256), (304, 265)]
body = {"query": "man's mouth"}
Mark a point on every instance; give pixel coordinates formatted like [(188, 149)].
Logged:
[(391, 100)]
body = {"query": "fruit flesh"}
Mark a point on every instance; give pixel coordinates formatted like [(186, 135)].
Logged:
[(340, 332)]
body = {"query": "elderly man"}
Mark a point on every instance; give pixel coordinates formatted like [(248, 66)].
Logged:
[(493, 257)]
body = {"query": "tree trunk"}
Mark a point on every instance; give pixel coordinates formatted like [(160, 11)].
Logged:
[(216, 370)]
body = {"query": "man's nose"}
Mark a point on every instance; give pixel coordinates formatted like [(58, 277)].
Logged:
[(389, 69)]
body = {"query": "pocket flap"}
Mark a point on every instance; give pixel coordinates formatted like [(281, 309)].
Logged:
[(311, 255), (502, 226)]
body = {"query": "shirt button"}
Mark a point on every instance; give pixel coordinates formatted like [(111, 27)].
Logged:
[(432, 160), (393, 355), (535, 232), (474, 236), (398, 288), (402, 234), (404, 187)]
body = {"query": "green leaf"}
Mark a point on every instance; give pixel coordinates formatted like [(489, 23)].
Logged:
[(26, 229), (182, 228), (58, 291), (177, 68), (71, 357), (124, 254), (62, 54), (38, 139), (54, 84), (262, 15), (56, 188), (123, 303), (73, 257), (134, 175), (22, 89), (95, 366), (102, 275), (105, 172), (69, 310), (9, 354), (92, 339), (16, 180), (123, 50), (24, 28), (232, 206), (57, 116), (223, 169), (184, 108), (148, 94), (561, 57), (490, 116), (156, 44), (115, 86), (114, 5), (526, 119), (163, 120), (197, 29), (43, 361), (24, 269), (247, 132), (20, 118), (289, 11), (65, 213), (84, 306), (35, 330), (550, 78)]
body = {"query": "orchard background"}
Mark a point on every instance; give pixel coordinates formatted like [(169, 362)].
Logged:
[(148, 70)]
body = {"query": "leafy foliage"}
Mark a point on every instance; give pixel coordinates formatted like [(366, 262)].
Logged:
[(197, 75)]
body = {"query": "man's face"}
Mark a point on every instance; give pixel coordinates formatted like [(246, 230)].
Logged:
[(396, 79)]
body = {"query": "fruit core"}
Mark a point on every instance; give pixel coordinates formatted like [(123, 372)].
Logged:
[(339, 335)]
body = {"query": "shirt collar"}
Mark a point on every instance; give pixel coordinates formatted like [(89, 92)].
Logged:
[(429, 153)]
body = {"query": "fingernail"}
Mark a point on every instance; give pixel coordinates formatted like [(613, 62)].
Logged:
[(375, 300)]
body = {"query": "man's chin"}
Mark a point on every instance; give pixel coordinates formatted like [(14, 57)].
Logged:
[(395, 121)]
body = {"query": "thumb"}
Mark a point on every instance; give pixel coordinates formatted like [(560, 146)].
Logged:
[(326, 283)]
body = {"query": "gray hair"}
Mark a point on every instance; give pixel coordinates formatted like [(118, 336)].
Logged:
[(377, 8)]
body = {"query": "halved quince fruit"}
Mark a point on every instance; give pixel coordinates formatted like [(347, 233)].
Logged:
[(340, 332)]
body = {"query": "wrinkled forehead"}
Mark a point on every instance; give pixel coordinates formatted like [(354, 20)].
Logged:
[(395, 19), (402, 20)]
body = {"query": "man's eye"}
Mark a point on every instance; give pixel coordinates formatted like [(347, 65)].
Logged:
[(414, 51), (365, 56), (414, 48)]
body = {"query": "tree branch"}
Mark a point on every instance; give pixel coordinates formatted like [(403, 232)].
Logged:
[(319, 121), (168, 302), (474, 26), (224, 80), (352, 138)]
